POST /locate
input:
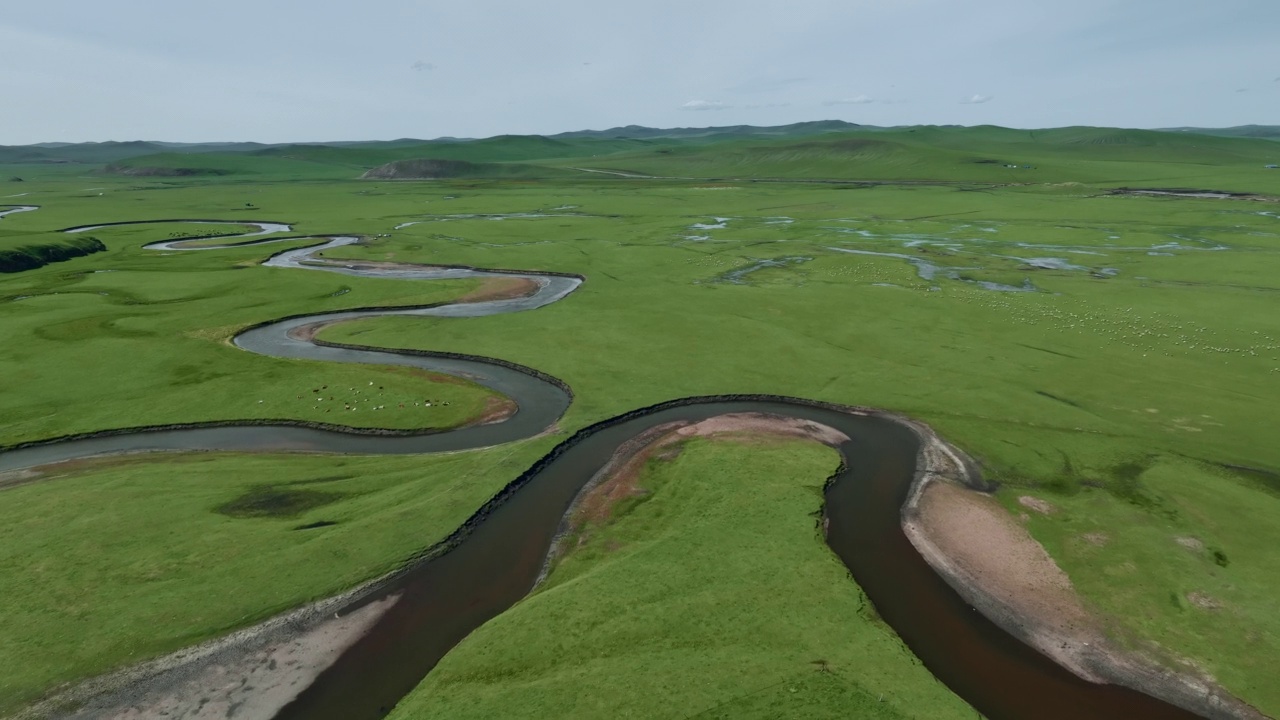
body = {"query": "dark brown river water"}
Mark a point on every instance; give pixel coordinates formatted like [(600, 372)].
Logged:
[(498, 563), (501, 551)]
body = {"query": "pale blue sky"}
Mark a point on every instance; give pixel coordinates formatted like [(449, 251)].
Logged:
[(284, 70)]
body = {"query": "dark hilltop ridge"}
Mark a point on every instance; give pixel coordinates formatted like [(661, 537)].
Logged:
[(98, 153), (820, 151), (1269, 132)]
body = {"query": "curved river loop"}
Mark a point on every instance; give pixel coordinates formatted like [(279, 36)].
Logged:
[(497, 557)]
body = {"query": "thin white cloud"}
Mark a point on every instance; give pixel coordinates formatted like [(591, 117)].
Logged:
[(423, 66), (704, 105), (976, 100), (855, 100)]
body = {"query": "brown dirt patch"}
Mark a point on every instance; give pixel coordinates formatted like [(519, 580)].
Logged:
[(1204, 601), (620, 476), (308, 333), (989, 548), (501, 288), (763, 425), (1044, 507), (618, 480), (496, 409), (14, 478)]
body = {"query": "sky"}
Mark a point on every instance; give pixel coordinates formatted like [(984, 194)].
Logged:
[(289, 71)]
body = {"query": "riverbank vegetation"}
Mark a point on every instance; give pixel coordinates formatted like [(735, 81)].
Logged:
[(1111, 358), (714, 560)]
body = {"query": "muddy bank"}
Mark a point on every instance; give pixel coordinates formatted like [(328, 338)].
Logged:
[(1193, 193), (995, 564), (497, 556), (247, 675), (501, 289), (616, 480)]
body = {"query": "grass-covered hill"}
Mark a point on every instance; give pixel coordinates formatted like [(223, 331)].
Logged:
[(92, 153), (1271, 132), (984, 153), (639, 132), (815, 150), (811, 151)]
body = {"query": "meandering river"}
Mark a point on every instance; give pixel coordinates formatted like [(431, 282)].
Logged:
[(497, 559)]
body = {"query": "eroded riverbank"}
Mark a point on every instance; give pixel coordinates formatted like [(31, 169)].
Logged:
[(497, 556), (997, 566)]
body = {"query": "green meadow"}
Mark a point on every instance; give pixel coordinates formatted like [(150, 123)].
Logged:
[(1115, 356), (649, 615)]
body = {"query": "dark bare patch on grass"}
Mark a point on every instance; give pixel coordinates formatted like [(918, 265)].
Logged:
[(1063, 400), (1051, 352), (1268, 480), (277, 502), (1122, 481), (317, 524)]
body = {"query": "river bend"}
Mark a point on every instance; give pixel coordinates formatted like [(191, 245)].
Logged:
[(498, 555)]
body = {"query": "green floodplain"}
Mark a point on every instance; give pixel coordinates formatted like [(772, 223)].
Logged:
[(1112, 360)]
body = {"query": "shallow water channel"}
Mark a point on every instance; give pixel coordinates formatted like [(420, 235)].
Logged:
[(502, 550)]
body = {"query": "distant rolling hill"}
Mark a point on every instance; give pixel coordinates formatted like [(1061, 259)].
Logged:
[(1270, 132), (824, 150), (370, 153), (639, 132), (966, 154), (108, 152)]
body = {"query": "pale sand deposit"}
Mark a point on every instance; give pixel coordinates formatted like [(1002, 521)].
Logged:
[(249, 675), (986, 546), (999, 568)]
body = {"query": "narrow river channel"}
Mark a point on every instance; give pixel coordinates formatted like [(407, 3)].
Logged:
[(499, 557)]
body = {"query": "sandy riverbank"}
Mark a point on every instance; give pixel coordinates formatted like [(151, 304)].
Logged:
[(248, 675), (998, 567)]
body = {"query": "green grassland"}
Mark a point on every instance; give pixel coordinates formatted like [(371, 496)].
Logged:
[(116, 561), (1145, 363), (924, 154), (1089, 392), (97, 344), (717, 563)]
